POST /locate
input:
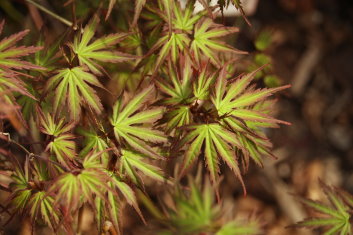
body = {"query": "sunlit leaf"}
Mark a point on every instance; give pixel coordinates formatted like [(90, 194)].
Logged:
[(127, 124), (205, 45), (72, 86), (100, 49)]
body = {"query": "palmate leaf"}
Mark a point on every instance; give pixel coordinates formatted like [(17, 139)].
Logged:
[(63, 147), (178, 90), (94, 142), (43, 205), (335, 217), (180, 25), (194, 212), (10, 54), (127, 122), (202, 86), (204, 44), (170, 45), (186, 19), (53, 127), (100, 49), (131, 161), (48, 57), (217, 142), (72, 86), (241, 109), (238, 95), (176, 117), (21, 191), (74, 189)]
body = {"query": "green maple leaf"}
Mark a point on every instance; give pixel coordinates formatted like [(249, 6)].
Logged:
[(205, 43), (99, 50), (53, 127), (178, 90), (180, 26), (43, 204), (94, 142), (202, 85), (135, 128), (21, 190), (75, 189), (176, 117), (131, 161), (335, 217), (72, 86), (218, 143), (241, 109), (63, 147)]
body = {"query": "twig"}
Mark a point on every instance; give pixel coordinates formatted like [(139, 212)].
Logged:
[(30, 154), (61, 19)]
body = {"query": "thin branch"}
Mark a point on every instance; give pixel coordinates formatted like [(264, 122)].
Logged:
[(30, 154), (61, 19)]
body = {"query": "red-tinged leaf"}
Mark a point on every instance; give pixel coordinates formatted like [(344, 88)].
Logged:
[(336, 216), (251, 98), (74, 189), (249, 115), (137, 161), (170, 45), (218, 143), (127, 121), (9, 53), (238, 5), (205, 45), (43, 204), (72, 86), (100, 212), (168, 8), (138, 8), (10, 82), (110, 8), (98, 50), (63, 147), (67, 190), (51, 126)]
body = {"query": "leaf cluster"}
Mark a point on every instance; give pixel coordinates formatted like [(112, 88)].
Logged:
[(181, 102)]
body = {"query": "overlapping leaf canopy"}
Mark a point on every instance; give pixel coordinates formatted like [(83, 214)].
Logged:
[(187, 105)]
